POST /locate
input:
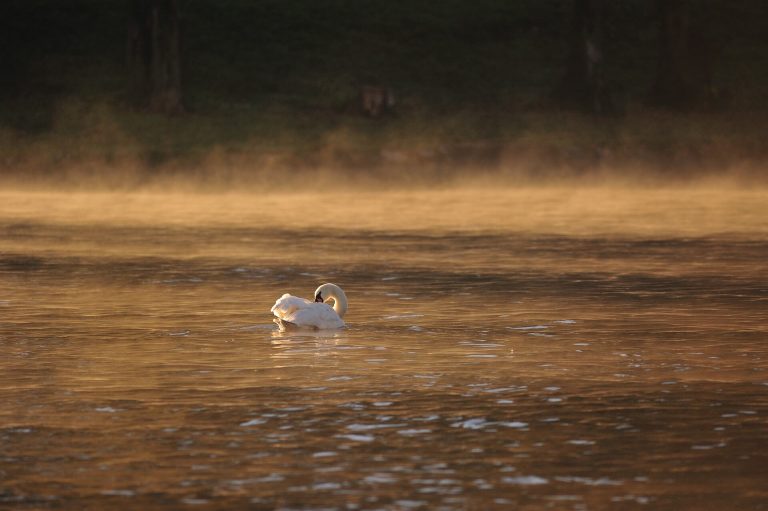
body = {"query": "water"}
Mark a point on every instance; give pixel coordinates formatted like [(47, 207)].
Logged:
[(529, 349)]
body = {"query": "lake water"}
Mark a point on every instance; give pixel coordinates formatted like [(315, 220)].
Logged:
[(510, 349)]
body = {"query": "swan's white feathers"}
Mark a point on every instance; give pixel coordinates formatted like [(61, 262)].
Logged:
[(287, 305), (301, 313)]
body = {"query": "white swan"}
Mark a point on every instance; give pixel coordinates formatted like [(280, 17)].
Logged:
[(293, 312)]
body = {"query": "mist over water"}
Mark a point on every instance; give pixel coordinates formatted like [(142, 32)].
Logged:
[(585, 348)]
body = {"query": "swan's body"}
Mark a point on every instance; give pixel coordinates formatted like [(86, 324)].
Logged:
[(294, 312)]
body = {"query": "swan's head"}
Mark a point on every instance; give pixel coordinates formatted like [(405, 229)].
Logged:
[(332, 292), (327, 291)]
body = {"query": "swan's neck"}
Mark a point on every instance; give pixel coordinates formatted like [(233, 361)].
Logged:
[(339, 304)]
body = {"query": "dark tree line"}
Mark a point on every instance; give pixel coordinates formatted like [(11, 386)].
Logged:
[(154, 55), (686, 58), (583, 83), (684, 62), (683, 76)]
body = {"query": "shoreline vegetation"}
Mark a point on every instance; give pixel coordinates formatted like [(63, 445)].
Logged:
[(272, 96)]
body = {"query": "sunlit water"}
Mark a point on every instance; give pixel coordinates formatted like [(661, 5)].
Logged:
[(529, 349)]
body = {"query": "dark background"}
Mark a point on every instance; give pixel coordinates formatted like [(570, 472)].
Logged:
[(678, 87)]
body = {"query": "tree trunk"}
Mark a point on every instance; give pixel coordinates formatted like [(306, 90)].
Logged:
[(683, 74), (583, 84), (154, 55)]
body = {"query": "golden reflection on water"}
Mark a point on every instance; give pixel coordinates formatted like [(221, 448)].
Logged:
[(580, 348)]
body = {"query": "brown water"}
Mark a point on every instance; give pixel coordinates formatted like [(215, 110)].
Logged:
[(523, 349)]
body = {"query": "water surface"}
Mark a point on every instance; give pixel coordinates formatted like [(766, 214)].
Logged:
[(519, 349)]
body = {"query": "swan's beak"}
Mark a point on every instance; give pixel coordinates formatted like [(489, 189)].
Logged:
[(319, 299)]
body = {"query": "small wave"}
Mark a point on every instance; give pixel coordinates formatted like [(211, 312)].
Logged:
[(525, 480), (357, 438)]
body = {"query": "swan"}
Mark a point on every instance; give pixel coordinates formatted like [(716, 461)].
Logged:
[(292, 312)]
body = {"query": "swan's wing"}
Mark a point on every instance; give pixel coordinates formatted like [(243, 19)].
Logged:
[(287, 305), (316, 315)]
